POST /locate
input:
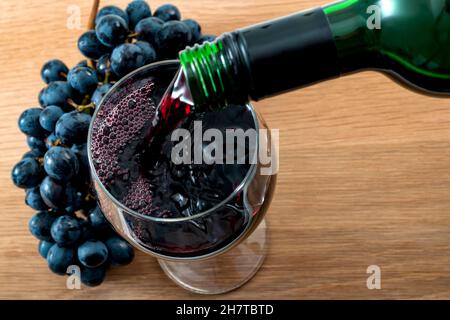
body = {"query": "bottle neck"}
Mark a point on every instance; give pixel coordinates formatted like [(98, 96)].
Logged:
[(217, 73), (275, 56)]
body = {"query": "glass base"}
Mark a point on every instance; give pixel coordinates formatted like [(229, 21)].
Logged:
[(222, 273)]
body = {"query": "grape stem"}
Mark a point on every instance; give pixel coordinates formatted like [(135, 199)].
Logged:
[(89, 196), (132, 37), (108, 72), (107, 75), (91, 25), (55, 143), (81, 107), (86, 100)]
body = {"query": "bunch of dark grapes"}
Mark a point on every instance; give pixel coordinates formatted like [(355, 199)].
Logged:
[(55, 172)]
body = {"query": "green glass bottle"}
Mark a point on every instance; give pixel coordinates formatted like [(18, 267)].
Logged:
[(406, 39)]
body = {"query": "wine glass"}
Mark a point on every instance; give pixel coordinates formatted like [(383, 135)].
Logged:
[(212, 251)]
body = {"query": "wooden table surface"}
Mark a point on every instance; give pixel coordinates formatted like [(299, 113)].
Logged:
[(364, 174)]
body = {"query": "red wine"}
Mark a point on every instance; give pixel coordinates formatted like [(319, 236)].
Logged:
[(176, 104), (131, 151)]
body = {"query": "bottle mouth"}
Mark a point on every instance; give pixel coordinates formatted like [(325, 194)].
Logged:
[(212, 72), (204, 71)]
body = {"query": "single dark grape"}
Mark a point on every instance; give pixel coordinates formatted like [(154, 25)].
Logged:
[(87, 232), (120, 252), (58, 93), (148, 28), (104, 65), (137, 10), (92, 253), (73, 127), (107, 10), (27, 173), (80, 150), (44, 247), (196, 30), (66, 230), (57, 195), (75, 197), (49, 116), (104, 68), (167, 12), (34, 200), (97, 219), (90, 46), (98, 94), (126, 58), (36, 144), (53, 193), (172, 38), (54, 70), (41, 98), (61, 163), (111, 30), (29, 123), (83, 79), (148, 50), (93, 277), (60, 258), (40, 225)]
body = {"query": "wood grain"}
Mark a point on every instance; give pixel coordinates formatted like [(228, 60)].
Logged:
[(364, 175)]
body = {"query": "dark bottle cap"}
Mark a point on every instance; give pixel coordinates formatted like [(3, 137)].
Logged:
[(287, 53)]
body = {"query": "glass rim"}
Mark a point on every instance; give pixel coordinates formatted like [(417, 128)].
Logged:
[(94, 177)]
